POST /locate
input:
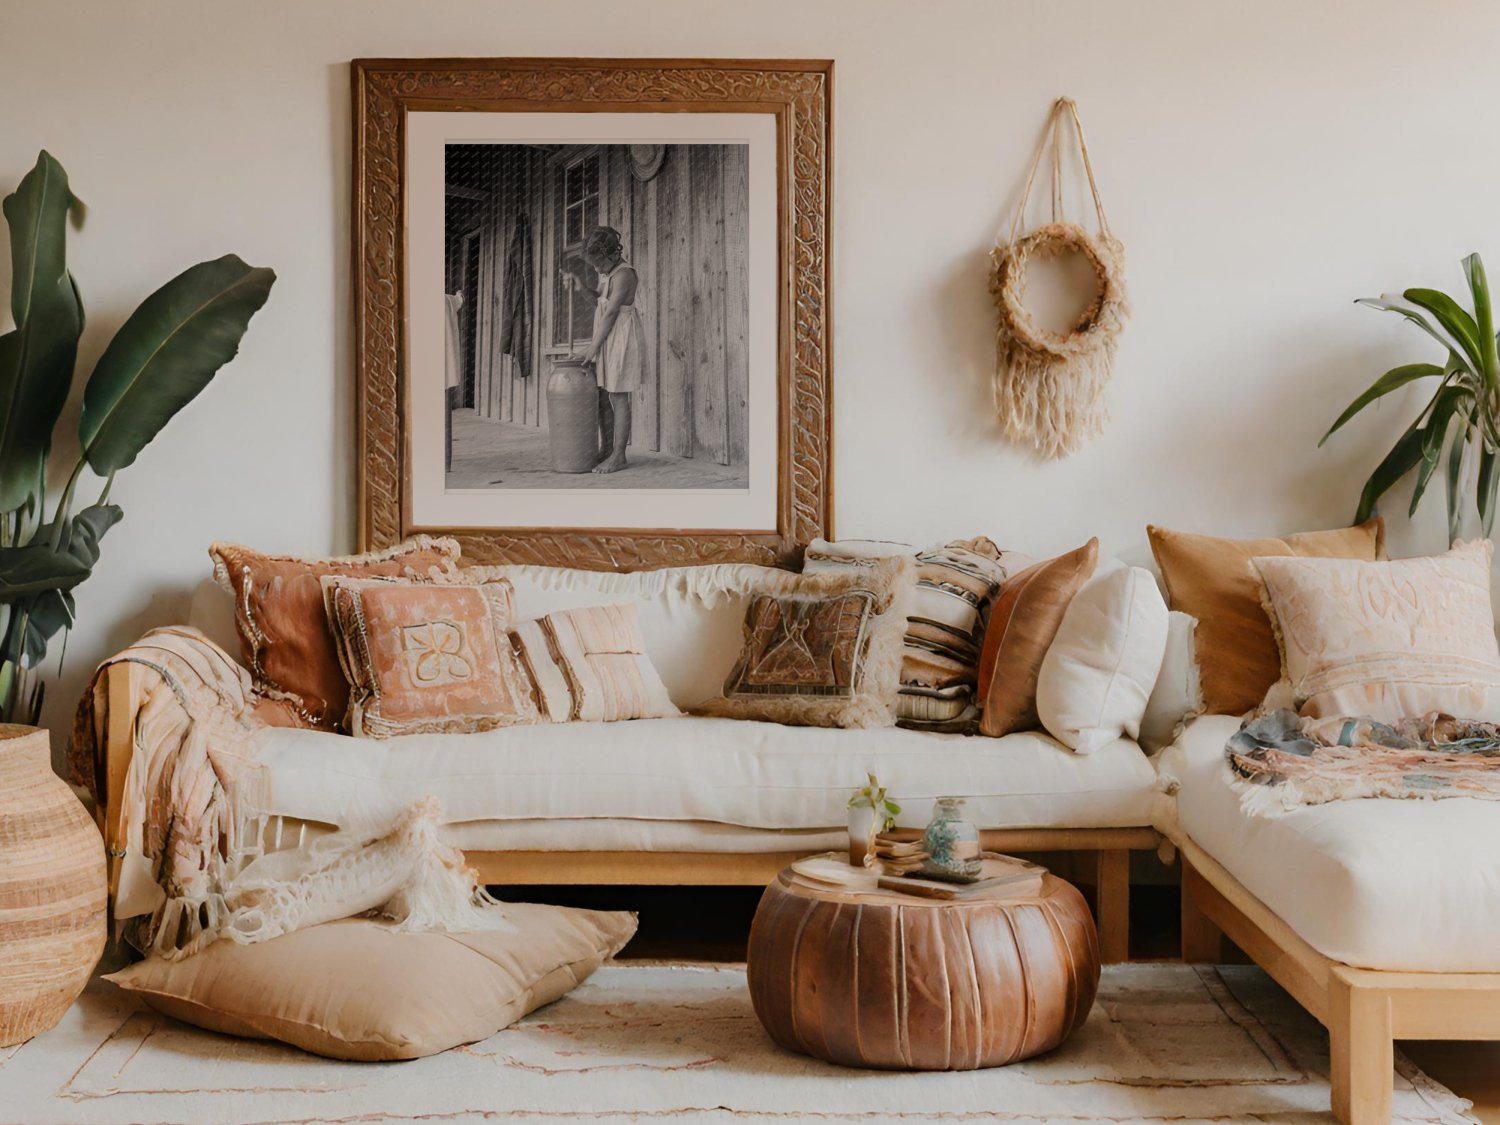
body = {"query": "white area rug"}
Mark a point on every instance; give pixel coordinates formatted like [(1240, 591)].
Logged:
[(647, 1042)]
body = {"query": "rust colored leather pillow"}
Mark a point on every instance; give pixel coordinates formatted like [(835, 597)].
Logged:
[(285, 640), (1025, 618), (1215, 581)]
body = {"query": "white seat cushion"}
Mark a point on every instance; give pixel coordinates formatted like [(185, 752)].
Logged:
[(1379, 884), (730, 771)]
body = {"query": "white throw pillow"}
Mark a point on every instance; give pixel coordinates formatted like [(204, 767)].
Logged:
[(1098, 674), (1178, 694), (1388, 640)]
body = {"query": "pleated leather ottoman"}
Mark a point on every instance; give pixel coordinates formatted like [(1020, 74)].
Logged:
[(887, 980)]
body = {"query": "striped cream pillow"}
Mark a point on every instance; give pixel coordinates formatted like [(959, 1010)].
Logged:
[(590, 665)]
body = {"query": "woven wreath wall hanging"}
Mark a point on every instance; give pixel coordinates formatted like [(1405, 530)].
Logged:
[(1049, 386)]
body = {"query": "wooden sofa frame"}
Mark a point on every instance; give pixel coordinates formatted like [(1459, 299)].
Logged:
[(1111, 846), (1364, 1010)]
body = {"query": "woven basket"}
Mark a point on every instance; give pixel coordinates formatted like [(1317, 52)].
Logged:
[(52, 889)]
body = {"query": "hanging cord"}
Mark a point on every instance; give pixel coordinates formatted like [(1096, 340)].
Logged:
[(1052, 136)]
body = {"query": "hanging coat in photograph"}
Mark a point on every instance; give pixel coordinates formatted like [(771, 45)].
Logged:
[(516, 299)]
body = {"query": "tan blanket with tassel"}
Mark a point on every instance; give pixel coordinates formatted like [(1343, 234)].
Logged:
[(191, 839)]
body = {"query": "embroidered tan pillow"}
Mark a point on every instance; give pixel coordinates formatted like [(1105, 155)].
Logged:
[(1025, 619), (424, 657), (824, 649), (284, 635), (1213, 580), (357, 990), (1391, 640), (590, 665)]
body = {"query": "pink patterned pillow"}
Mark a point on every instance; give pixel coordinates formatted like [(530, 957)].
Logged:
[(427, 657)]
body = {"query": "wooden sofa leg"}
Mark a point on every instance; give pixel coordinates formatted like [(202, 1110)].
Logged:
[(1112, 886), (1202, 941), (1361, 1052)]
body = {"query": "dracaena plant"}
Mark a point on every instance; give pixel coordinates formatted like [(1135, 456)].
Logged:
[(1457, 427), (162, 356)]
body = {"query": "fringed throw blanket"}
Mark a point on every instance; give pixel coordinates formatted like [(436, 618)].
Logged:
[(190, 840), (1281, 761)]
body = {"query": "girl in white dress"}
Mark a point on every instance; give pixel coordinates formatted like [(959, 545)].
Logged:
[(616, 350)]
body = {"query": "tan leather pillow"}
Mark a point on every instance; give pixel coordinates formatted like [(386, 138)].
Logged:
[(285, 640), (1023, 622), (357, 990), (1215, 581), (427, 657)]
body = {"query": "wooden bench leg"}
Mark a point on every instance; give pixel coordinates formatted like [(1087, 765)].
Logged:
[(1361, 1052), (1112, 886), (1202, 941)]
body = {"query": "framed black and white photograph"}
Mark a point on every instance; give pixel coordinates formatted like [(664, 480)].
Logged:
[(598, 310), (610, 304)]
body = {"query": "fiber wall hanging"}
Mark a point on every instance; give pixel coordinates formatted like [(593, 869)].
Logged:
[(1049, 386)]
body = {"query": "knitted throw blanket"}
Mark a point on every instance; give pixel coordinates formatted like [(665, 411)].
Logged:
[(196, 859), (1280, 761)]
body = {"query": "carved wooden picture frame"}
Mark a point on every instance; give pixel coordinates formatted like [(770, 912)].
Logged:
[(390, 100)]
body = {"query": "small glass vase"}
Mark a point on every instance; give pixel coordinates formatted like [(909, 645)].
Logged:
[(951, 843)]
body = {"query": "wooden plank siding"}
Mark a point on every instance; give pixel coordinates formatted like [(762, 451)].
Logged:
[(685, 233)]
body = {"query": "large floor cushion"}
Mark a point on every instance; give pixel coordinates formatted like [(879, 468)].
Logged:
[(729, 771), (1379, 884)]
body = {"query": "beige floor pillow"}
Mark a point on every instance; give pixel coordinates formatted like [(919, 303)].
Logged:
[(356, 990)]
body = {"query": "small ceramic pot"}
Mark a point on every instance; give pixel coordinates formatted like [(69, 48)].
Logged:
[(861, 832), (951, 843)]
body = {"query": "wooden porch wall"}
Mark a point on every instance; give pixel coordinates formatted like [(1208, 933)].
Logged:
[(689, 253)]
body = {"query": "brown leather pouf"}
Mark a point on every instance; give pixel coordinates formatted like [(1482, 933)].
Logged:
[(888, 980)]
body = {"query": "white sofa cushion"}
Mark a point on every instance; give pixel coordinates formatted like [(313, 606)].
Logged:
[(731, 771), (1101, 665), (1378, 884)]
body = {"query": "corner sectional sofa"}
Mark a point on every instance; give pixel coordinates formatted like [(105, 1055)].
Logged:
[(672, 801), (1378, 915)]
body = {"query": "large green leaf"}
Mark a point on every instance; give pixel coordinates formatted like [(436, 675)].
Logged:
[(1455, 321), (1484, 317), (1402, 458), (1394, 379), (37, 356), (35, 568), (164, 355)]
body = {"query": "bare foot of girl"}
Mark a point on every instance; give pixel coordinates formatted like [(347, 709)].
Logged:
[(611, 464)]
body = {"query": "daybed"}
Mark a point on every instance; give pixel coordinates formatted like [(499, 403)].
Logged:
[(671, 801), (1378, 915)]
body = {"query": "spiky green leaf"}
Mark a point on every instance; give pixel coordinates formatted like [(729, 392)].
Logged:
[(1448, 403), (1489, 461), (1455, 321), (1402, 458), (1392, 380)]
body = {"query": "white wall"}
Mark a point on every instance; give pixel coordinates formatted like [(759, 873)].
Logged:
[(1264, 164)]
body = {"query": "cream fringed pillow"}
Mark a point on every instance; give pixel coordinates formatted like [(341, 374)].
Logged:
[(426, 657), (1388, 640), (823, 650), (590, 665), (356, 990)]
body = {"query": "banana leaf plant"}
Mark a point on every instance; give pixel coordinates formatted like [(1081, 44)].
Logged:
[(164, 354), (1457, 428)]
